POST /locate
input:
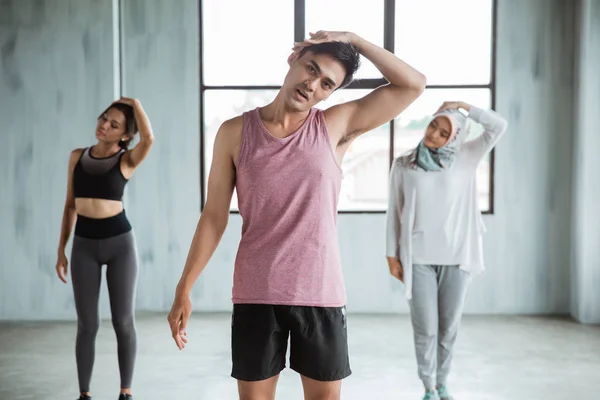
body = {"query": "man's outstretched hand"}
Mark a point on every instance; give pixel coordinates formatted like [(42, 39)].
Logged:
[(178, 318)]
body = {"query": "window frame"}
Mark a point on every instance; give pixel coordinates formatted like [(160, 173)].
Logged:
[(389, 14)]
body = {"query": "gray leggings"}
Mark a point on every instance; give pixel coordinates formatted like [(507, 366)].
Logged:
[(436, 307), (87, 257)]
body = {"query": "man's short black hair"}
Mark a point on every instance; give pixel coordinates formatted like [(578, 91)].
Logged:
[(341, 51)]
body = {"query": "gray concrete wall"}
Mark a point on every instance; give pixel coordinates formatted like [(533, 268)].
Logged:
[(527, 245), (56, 75), (586, 183), (160, 67), (528, 241)]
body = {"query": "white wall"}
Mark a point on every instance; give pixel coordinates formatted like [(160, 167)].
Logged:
[(528, 241)]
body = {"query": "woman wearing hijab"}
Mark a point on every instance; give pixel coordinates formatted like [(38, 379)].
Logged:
[(434, 230)]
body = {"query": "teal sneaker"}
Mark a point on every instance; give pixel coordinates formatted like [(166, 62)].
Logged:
[(431, 396), (443, 393)]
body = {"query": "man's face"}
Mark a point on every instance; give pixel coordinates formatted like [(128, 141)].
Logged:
[(311, 79)]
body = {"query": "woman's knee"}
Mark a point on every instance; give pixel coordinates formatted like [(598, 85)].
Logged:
[(88, 326), (124, 325)]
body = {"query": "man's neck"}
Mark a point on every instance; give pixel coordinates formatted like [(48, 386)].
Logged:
[(277, 113)]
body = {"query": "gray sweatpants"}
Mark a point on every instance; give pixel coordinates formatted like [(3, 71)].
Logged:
[(438, 296), (87, 258)]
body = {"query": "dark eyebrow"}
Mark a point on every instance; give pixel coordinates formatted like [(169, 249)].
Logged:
[(318, 68)]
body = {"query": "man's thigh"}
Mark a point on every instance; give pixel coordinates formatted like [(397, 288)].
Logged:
[(319, 343), (258, 342)]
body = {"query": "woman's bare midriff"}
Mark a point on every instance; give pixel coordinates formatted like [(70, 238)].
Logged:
[(98, 208)]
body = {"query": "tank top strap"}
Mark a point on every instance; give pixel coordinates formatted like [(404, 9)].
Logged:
[(120, 154), (318, 121), (250, 126), (79, 160), (323, 137)]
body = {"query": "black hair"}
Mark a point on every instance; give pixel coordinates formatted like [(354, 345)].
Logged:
[(130, 125), (343, 52)]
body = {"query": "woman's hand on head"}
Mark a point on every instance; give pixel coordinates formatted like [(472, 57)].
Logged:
[(128, 100), (454, 105)]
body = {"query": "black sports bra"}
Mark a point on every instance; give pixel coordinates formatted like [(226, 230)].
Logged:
[(99, 178)]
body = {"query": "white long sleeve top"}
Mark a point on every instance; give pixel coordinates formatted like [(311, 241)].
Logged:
[(433, 218)]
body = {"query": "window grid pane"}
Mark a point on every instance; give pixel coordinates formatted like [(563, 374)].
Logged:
[(240, 44), (452, 45)]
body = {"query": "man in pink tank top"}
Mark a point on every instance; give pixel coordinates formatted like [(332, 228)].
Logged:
[(284, 161)]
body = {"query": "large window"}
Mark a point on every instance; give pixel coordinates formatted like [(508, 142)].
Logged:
[(245, 45)]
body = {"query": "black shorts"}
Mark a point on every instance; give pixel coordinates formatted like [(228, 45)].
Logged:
[(318, 341)]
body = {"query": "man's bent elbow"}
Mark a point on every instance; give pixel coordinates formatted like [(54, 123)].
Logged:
[(419, 83), (415, 84)]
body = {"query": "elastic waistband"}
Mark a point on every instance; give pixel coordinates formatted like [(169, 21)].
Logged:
[(92, 228)]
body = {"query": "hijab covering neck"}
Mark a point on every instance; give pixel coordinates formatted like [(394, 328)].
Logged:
[(423, 158)]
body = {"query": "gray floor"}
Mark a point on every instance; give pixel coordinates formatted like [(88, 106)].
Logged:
[(508, 358)]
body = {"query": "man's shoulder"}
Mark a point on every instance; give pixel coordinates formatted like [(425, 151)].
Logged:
[(230, 132), (232, 126), (233, 123)]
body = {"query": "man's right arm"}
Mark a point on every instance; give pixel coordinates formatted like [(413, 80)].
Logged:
[(211, 226), (214, 217)]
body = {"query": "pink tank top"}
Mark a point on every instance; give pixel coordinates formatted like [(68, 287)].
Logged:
[(287, 193)]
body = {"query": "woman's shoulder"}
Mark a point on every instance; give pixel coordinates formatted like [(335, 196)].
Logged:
[(401, 162), (76, 153)]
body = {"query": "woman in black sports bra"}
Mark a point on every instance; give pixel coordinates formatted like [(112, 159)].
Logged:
[(103, 235)]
